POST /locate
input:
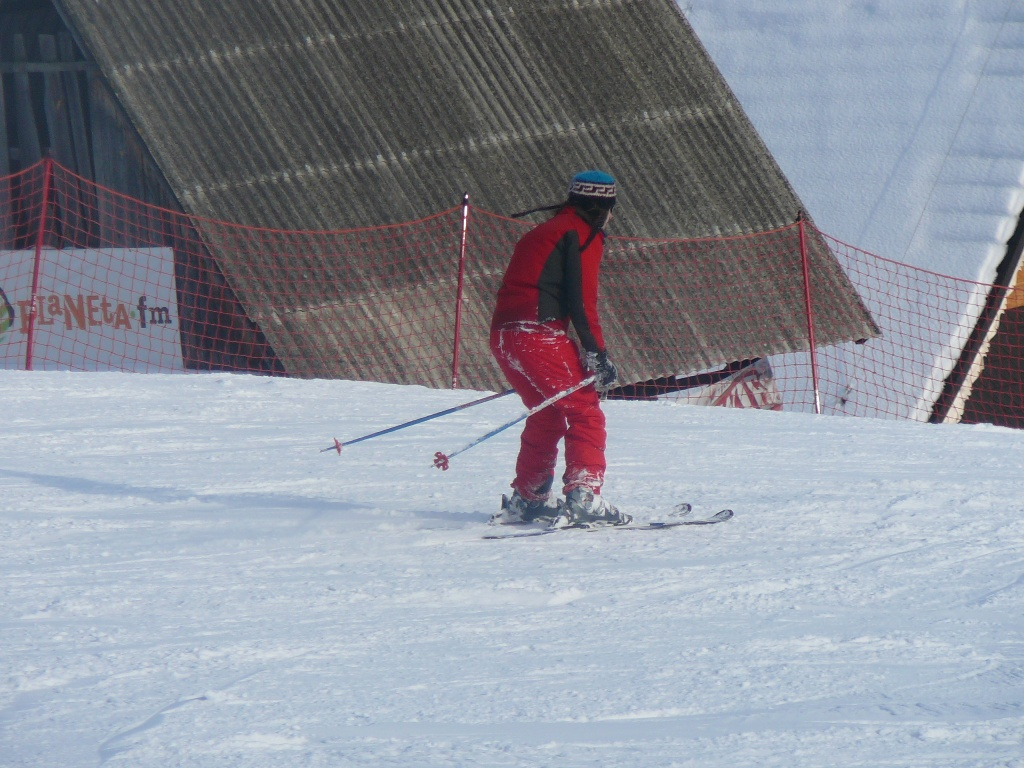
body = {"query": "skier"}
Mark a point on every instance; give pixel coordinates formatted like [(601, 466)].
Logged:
[(552, 280)]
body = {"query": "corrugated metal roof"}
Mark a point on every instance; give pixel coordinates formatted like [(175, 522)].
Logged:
[(312, 114)]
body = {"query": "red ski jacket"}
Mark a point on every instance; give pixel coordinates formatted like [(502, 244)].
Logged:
[(549, 279)]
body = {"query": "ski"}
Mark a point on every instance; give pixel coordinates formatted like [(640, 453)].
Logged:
[(676, 520), (678, 511)]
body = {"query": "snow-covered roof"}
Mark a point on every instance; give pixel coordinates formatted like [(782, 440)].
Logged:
[(900, 123)]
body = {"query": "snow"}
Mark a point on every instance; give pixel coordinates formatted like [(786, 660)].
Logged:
[(189, 581), (896, 121)]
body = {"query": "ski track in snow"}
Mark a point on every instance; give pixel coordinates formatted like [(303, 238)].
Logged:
[(188, 581)]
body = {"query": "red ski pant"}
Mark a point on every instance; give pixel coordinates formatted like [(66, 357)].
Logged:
[(540, 361)]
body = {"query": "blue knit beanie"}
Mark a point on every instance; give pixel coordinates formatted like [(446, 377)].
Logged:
[(592, 189), (593, 184)]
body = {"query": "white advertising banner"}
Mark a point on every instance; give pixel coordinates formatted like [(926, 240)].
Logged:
[(751, 387), (114, 309)]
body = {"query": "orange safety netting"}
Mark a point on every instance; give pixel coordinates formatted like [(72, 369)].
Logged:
[(93, 280)]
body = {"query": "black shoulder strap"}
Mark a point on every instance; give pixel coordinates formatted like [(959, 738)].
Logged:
[(594, 232)]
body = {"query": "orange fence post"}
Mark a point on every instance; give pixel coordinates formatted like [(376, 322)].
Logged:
[(40, 238), (460, 291), (810, 313)]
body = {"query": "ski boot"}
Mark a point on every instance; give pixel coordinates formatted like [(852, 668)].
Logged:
[(583, 509), (519, 510)]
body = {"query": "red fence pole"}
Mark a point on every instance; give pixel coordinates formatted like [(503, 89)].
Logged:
[(459, 291), (40, 238), (810, 314)]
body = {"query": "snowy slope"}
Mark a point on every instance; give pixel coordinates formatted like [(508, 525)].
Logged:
[(898, 122), (188, 581)]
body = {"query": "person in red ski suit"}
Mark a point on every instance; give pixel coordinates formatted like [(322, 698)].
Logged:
[(552, 281)]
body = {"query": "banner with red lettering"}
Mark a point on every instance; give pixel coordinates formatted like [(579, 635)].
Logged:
[(114, 309), (750, 387)]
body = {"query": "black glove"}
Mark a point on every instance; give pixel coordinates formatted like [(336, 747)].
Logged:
[(605, 375)]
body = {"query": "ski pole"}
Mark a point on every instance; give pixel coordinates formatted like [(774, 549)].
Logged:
[(338, 444), (441, 459)]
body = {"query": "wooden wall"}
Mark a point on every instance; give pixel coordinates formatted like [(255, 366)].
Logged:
[(55, 102)]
